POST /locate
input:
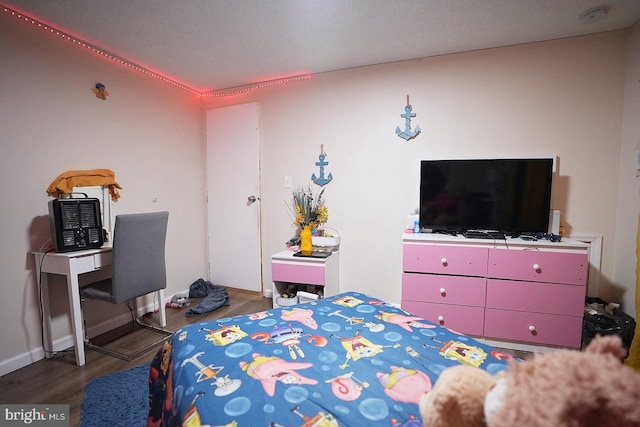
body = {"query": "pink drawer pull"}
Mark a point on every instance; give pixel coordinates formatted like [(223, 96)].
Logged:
[(444, 261), (532, 329), (536, 267), (443, 291), (441, 319)]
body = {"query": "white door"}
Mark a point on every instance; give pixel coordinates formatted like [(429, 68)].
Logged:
[(233, 219)]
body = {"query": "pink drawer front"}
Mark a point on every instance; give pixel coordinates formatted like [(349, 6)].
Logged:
[(550, 298), (298, 273), (441, 259), (464, 319), (543, 329), (539, 266), (460, 290)]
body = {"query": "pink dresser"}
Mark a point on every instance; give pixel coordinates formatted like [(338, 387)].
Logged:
[(525, 292)]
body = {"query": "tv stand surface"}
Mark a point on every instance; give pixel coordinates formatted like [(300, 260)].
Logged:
[(484, 234), (448, 231)]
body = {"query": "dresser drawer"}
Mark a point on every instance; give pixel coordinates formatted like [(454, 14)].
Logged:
[(464, 319), (542, 329), (442, 259), (459, 290), (538, 266), (549, 298), (298, 273)]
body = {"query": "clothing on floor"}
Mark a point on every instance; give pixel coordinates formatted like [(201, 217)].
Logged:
[(214, 297)]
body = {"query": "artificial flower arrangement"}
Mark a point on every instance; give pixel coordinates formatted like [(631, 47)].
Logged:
[(309, 210)]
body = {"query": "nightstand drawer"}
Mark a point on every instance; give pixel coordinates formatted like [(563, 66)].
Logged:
[(565, 331), (464, 319), (298, 273), (454, 260), (459, 290)]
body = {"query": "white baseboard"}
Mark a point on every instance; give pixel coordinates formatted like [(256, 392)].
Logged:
[(20, 361), (66, 342)]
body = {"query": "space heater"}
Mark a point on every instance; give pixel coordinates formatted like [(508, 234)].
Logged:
[(76, 223)]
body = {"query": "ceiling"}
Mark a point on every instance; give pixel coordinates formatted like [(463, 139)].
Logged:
[(209, 45)]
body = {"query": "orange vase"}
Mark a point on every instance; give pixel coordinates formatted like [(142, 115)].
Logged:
[(306, 246)]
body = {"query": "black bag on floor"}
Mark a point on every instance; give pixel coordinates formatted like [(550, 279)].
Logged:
[(603, 323)]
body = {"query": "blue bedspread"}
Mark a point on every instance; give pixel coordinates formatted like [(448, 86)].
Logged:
[(346, 360)]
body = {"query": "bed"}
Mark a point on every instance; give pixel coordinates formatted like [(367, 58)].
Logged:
[(345, 360)]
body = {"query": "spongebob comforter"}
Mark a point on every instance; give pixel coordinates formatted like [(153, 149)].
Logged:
[(346, 360)]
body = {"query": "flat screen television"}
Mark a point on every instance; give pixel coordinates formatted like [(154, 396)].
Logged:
[(510, 196)]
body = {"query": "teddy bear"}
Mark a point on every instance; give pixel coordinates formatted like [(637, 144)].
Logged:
[(457, 398), (563, 388)]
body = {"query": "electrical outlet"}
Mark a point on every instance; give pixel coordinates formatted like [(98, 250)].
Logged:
[(288, 182)]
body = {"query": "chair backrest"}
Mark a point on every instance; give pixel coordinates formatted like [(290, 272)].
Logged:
[(138, 255)]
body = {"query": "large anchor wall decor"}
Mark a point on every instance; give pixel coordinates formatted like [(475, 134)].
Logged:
[(407, 133), (321, 180)]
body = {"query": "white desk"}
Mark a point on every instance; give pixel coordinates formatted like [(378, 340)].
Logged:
[(72, 265)]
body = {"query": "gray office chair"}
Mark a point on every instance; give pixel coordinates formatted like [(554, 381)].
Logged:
[(138, 268)]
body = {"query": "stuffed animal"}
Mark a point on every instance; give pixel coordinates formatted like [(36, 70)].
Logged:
[(178, 301), (457, 398), (564, 388)]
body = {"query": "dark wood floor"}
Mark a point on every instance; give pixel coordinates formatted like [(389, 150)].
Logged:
[(59, 381)]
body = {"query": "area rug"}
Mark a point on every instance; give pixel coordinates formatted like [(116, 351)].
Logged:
[(119, 399)]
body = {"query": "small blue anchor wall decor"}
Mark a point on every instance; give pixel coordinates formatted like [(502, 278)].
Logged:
[(321, 180), (407, 133)]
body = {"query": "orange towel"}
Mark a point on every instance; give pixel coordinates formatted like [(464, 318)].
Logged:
[(65, 182)]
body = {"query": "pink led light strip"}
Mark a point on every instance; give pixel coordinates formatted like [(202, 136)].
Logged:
[(115, 58), (95, 49), (248, 88)]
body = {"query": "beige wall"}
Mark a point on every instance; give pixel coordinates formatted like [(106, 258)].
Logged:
[(563, 98), (148, 132), (628, 207)]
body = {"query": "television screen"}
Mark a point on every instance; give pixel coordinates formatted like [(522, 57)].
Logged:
[(511, 196)]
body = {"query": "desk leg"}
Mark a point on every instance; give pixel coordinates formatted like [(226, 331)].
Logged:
[(43, 285), (73, 288), (163, 312)]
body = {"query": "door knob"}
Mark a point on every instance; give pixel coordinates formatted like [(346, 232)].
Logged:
[(252, 199)]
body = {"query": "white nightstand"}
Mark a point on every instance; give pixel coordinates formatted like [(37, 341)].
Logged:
[(315, 275)]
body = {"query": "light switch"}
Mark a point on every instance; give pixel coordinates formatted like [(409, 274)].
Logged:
[(288, 182)]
